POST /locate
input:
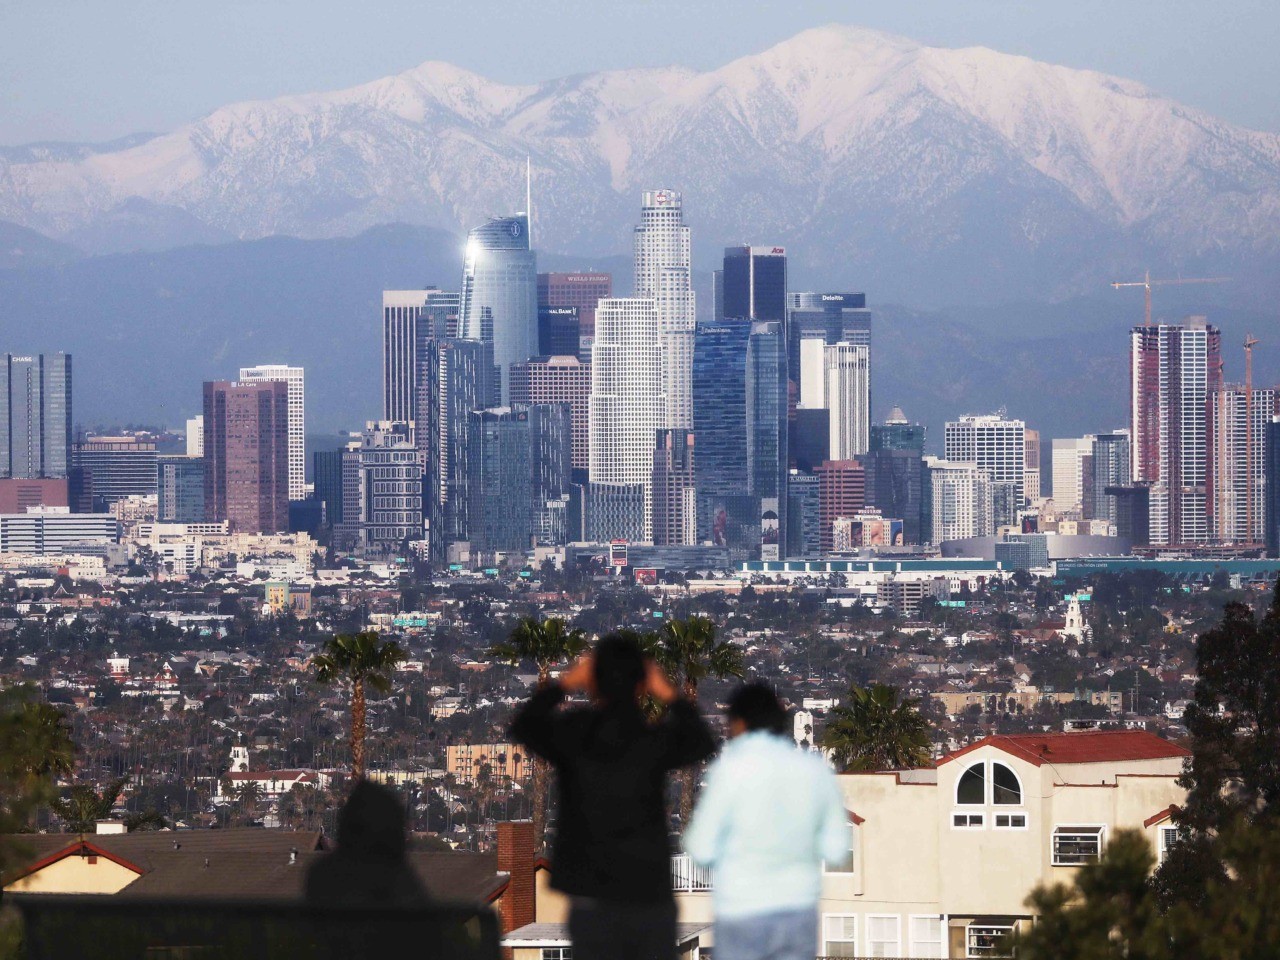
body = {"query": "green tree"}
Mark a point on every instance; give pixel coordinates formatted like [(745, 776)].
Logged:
[(1113, 912), (1233, 776), (544, 643), (360, 658), (690, 652), (35, 749), (874, 730), (83, 806)]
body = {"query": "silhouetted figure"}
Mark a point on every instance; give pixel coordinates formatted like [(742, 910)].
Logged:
[(369, 868), (769, 816), (612, 855)]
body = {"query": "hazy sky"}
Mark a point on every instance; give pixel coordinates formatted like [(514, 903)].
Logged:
[(98, 69)]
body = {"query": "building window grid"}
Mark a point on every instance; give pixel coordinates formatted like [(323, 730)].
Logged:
[(1077, 845)]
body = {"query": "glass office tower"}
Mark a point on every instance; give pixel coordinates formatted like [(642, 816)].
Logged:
[(766, 433), (35, 416), (499, 298), (754, 283)]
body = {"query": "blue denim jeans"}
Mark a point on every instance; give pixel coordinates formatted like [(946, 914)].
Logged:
[(785, 935)]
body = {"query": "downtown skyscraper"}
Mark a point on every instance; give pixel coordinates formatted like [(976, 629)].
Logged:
[(997, 446), (1172, 370), (246, 455), (499, 297), (663, 274), (294, 379), (35, 416), (754, 283)]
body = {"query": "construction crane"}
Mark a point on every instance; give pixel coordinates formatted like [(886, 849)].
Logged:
[(1147, 283), (1250, 341)]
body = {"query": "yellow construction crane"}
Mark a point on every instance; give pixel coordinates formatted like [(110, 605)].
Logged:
[(1147, 283)]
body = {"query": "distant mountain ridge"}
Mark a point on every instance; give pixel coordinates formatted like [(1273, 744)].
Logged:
[(926, 175)]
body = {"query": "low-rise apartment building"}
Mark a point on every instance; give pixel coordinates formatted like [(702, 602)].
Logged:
[(941, 860)]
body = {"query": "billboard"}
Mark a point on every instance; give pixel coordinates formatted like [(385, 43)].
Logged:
[(618, 553), (646, 576), (770, 529)]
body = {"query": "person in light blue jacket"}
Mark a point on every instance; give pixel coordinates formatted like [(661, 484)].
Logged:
[(768, 817)]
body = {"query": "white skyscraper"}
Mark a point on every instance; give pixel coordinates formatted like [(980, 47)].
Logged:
[(195, 436), (999, 447), (663, 252), (960, 500), (848, 398), (293, 376), (1070, 459), (626, 399), (400, 312)]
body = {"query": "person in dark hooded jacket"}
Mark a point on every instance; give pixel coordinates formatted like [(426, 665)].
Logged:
[(370, 867), (612, 854)]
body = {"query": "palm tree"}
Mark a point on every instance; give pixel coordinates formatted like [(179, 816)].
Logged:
[(83, 806), (247, 796), (362, 659), (689, 651), (544, 643), (874, 730)]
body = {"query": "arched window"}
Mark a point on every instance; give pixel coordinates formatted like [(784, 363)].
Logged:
[(1005, 788), (971, 789)]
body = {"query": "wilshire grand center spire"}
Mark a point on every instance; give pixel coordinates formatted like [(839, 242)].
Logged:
[(499, 302), (663, 274)]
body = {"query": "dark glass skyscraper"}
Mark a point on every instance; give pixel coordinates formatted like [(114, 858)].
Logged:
[(327, 476), (894, 467), (455, 378), (766, 433), (499, 301), (720, 405), (829, 317), (518, 476), (755, 283), (180, 489), (35, 416)]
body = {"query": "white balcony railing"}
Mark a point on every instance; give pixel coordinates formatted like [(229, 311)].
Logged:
[(688, 877)]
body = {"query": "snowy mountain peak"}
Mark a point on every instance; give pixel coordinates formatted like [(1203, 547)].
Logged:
[(873, 157)]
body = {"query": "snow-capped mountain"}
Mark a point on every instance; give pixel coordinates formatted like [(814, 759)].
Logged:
[(925, 173)]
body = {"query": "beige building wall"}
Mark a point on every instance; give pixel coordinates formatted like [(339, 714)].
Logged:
[(464, 761), (919, 880), (76, 874)]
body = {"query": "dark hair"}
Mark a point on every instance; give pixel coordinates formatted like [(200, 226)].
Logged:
[(757, 706), (619, 668)]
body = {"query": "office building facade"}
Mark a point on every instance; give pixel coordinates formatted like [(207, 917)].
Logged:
[(959, 500), (766, 433), (754, 283), (499, 297), (246, 459), (804, 515), (626, 406), (295, 379), (117, 467), (179, 489), (382, 495), (997, 446), (1172, 370), (895, 472), (326, 472), (1108, 467), (35, 416), (1235, 474), (556, 380), (847, 378), (401, 310), (455, 378), (842, 493), (581, 290), (674, 502), (663, 274), (1072, 471), (826, 318)]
